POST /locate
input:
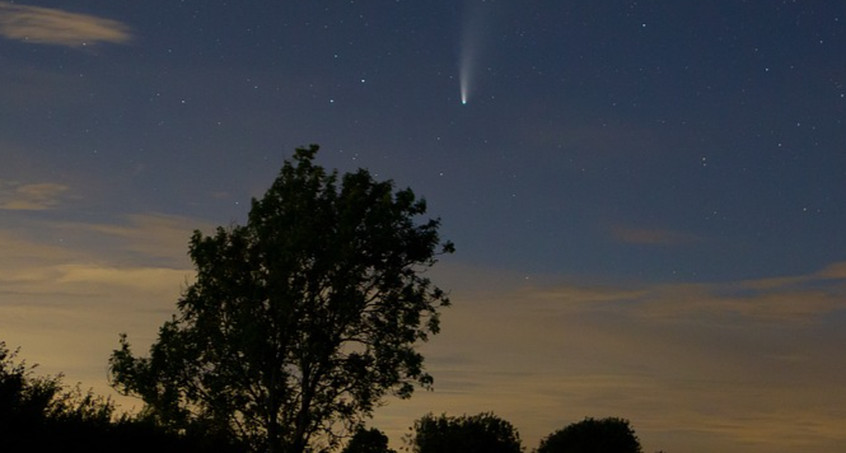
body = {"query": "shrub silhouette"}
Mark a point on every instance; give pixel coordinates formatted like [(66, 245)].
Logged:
[(481, 433), (607, 435), (368, 441), (40, 414)]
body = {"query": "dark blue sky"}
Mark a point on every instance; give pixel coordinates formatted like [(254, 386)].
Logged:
[(634, 143), (718, 124)]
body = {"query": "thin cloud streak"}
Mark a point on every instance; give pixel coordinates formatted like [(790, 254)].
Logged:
[(16, 196), (159, 239), (790, 298), (38, 25), (64, 302), (97, 257)]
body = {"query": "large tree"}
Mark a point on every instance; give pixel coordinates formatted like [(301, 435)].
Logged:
[(300, 322)]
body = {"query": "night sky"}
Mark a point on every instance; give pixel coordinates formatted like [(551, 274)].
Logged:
[(647, 198)]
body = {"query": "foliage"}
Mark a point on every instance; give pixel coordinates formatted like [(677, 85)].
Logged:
[(41, 414), (299, 322), (28, 401), (607, 435), (481, 433), (368, 441)]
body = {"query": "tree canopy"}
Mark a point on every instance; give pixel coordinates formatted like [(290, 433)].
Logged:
[(480, 433), (368, 441), (301, 321), (607, 435)]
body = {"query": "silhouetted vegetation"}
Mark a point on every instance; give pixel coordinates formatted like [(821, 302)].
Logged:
[(40, 414), (481, 433), (607, 435), (299, 322), (368, 441)]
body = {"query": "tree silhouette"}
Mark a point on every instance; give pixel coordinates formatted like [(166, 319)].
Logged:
[(481, 433), (302, 320), (607, 435), (368, 441)]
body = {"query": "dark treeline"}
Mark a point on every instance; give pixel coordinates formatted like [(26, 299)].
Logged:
[(488, 433), (39, 414)]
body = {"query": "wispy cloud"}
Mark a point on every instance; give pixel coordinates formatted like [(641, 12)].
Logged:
[(833, 272), (152, 238), (33, 24), (798, 298), (17, 196), (147, 279), (757, 362), (50, 262), (67, 290)]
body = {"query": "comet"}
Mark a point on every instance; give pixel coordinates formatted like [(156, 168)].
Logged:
[(477, 24), (469, 47)]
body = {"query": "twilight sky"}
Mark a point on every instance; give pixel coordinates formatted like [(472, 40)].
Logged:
[(647, 198)]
